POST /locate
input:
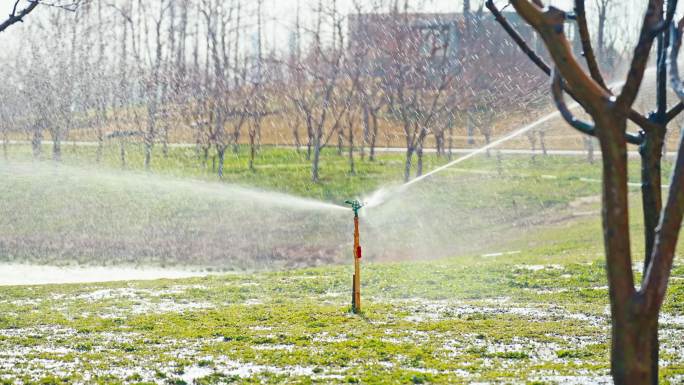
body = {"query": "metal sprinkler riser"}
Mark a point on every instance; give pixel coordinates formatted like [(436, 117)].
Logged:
[(356, 281)]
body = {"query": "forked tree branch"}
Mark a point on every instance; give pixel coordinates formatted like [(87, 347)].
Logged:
[(578, 124), (557, 92), (667, 232), (634, 116), (549, 23), (15, 17)]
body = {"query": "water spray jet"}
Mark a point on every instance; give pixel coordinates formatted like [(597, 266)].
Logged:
[(356, 280), (380, 197)]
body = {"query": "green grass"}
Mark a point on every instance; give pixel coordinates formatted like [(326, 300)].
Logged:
[(278, 169), (534, 317), (285, 170), (59, 214)]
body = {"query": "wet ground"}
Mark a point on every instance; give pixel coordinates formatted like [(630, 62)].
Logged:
[(24, 274), (530, 317)]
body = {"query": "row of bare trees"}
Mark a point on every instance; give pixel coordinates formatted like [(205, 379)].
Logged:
[(125, 69)]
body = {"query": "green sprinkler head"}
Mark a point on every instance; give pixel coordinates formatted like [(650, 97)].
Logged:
[(355, 205)]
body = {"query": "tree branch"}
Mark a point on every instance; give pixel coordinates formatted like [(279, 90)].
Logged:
[(649, 30), (674, 111), (557, 92), (667, 234), (536, 59), (18, 17), (582, 126), (588, 50), (549, 22), (634, 116), (675, 80)]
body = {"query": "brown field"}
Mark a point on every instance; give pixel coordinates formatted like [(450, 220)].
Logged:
[(278, 130)]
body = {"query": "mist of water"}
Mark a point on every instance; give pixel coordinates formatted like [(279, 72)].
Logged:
[(63, 214)]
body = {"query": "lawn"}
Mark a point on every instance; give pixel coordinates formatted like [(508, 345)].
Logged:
[(180, 213), (538, 316), (535, 312)]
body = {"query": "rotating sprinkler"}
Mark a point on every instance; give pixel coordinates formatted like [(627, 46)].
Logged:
[(356, 281)]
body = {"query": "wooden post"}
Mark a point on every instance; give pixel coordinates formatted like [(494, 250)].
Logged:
[(356, 281), (356, 291)]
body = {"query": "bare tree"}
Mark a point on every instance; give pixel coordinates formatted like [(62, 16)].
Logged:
[(415, 80), (634, 311), (319, 86)]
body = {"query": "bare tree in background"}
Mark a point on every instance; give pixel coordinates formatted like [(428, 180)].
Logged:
[(217, 22), (415, 80), (318, 86), (603, 7), (363, 58), (634, 311)]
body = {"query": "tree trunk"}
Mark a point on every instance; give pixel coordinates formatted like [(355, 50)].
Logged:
[(252, 150), (316, 159), (603, 10), (632, 360), (407, 165), (499, 162), (148, 152), (151, 125), (221, 151), (374, 135), (5, 145), (236, 138), (439, 144), (165, 138), (366, 131), (542, 141), (419, 165), (352, 170), (632, 333), (589, 145), (651, 191), (37, 142), (533, 144), (451, 140), (56, 148), (309, 139), (122, 153), (295, 133), (651, 194), (100, 145), (340, 140), (470, 128)]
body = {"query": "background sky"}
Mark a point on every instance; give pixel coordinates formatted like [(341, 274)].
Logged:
[(279, 17)]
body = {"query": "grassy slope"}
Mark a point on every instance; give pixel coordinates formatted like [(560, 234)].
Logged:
[(532, 317), (285, 170), (278, 169)]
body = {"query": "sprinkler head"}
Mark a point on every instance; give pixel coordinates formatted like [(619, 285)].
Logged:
[(355, 205)]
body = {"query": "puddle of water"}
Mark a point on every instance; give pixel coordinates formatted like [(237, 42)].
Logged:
[(25, 274)]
